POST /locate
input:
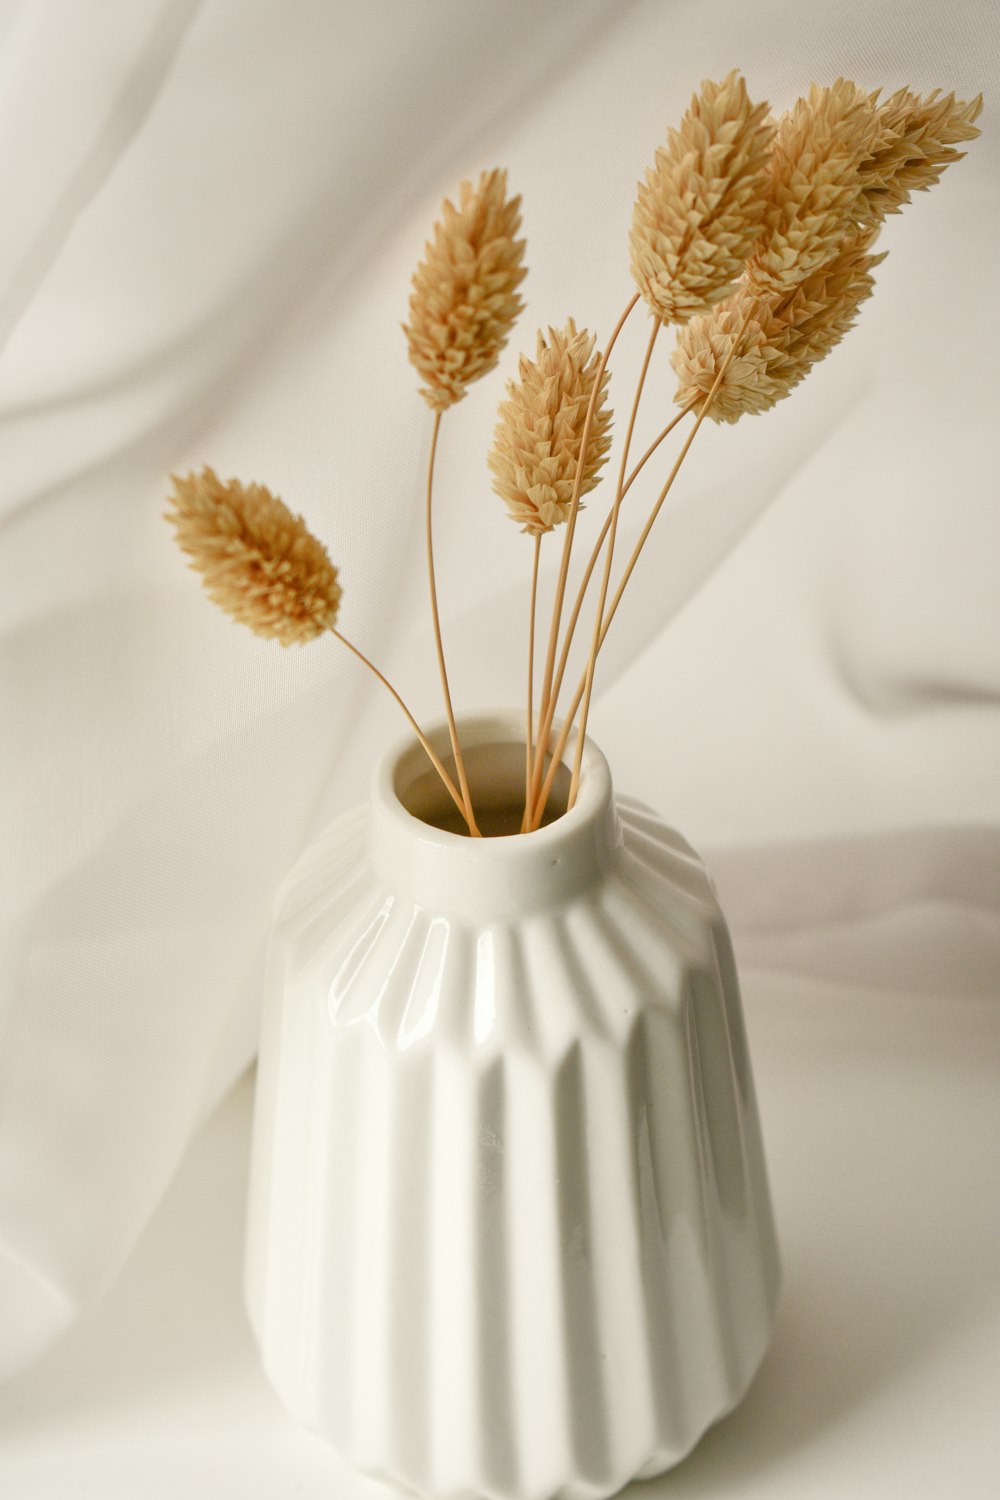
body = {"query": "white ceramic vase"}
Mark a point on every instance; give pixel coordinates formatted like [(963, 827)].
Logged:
[(509, 1231)]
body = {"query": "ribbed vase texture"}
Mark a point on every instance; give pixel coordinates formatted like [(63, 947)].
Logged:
[(510, 1232)]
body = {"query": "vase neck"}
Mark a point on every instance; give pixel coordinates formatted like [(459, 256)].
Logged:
[(418, 854)]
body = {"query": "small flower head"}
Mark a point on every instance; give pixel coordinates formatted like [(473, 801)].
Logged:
[(465, 299), (699, 210), (539, 432), (703, 346), (258, 561)]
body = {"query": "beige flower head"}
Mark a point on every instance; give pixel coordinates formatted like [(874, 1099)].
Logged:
[(539, 432), (914, 142), (700, 208), (465, 299), (782, 339), (258, 561), (704, 344), (815, 186)]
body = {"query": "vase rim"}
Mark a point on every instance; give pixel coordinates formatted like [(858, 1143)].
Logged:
[(500, 872), (493, 727)]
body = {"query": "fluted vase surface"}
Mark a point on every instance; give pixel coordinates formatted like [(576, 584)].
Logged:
[(510, 1232)]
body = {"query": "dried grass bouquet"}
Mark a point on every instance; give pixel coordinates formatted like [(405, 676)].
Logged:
[(753, 236)]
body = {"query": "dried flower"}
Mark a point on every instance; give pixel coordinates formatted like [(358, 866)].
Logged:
[(703, 346), (258, 561), (815, 185), (783, 339), (914, 143), (464, 299), (700, 209), (536, 445)]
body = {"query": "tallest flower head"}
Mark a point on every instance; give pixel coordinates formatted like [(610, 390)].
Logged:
[(701, 206), (465, 300)]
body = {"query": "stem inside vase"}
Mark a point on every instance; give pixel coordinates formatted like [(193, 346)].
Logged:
[(495, 772)]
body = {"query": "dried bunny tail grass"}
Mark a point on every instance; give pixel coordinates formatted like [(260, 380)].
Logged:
[(814, 188), (783, 339), (464, 299), (536, 445), (703, 346), (914, 143), (699, 210), (258, 561)]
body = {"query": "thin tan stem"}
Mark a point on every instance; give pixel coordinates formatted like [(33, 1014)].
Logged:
[(595, 554), (435, 616), (703, 413), (560, 593), (545, 722), (432, 755), (559, 750), (606, 579), (684, 411), (529, 734)]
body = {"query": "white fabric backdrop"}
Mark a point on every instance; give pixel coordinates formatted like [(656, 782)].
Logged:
[(211, 213)]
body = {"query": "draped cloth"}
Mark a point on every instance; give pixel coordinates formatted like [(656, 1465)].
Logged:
[(212, 210)]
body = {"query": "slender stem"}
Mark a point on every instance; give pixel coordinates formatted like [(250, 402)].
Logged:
[(605, 581), (702, 414), (546, 721), (560, 592), (595, 554), (450, 712), (528, 741), (433, 757), (649, 453), (559, 750)]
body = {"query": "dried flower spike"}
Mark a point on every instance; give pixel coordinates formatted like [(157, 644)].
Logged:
[(258, 561), (700, 208), (702, 347), (815, 185), (783, 339), (536, 446), (914, 143), (464, 300)]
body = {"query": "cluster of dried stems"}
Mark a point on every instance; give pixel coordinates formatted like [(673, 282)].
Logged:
[(753, 236)]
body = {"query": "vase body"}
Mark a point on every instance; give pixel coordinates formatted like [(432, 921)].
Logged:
[(509, 1232)]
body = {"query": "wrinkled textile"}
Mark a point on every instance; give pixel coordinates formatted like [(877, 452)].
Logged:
[(211, 213)]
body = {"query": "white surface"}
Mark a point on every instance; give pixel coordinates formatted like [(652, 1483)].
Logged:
[(211, 213), (881, 1118), (509, 1232)]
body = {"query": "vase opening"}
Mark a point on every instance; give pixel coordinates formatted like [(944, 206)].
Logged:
[(496, 775), (419, 842)]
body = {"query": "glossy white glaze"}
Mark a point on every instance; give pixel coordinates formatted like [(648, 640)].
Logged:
[(509, 1232)]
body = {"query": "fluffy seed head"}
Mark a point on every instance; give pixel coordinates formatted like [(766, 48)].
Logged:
[(700, 208), (814, 188), (914, 142), (539, 432), (258, 561), (783, 339), (464, 300)]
